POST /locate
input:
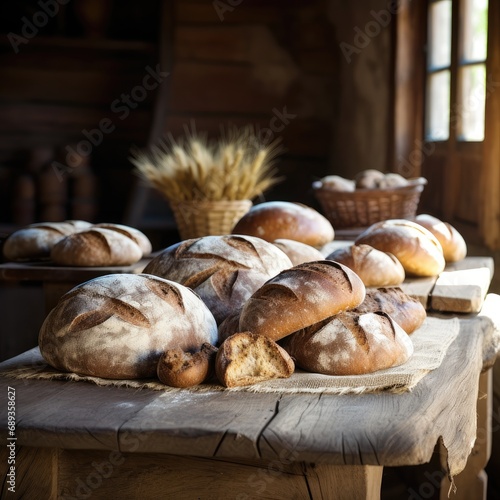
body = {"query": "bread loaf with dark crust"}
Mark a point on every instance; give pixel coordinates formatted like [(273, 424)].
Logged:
[(298, 252), (415, 247), (35, 241), (406, 311), (374, 267), (178, 368), (274, 220), (134, 234), (117, 326), (350, 344), (453, 243), (301, 296), (246, 358), (223, 270), (96, 247)]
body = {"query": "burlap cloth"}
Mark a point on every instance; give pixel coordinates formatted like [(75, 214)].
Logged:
[(431, 341)]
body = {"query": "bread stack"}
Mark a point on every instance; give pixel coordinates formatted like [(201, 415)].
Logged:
[(77, 243)]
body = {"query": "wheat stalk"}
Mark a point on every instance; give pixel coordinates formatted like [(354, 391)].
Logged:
[(237, 167)]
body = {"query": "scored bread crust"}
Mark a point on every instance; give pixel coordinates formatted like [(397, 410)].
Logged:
[(274, 220), (374, 267), (246, 358), (415, 247), (406, 311), (134, 234), (35, 241), (453, 243), (297, 251), (96, 247), (350, 344), (223, 270), (117, 326), (301, 296)]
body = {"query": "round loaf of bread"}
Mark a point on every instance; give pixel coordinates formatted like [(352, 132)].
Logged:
[(298, 252), (406, 311), (35, 241), (415, 247), (369, 179), (96, 247), (223, 270), (336, 183), (274, 220), (374, 267), (453, 243), (350, 344), (301, 296), (134, 234), (117, 326)]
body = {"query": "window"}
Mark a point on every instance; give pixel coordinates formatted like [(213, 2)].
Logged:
[(456, 70)]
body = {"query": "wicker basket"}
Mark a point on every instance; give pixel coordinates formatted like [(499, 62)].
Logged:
[(206, 218), (364, 207)]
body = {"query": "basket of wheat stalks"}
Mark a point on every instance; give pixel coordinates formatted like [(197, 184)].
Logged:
[(209, 185)]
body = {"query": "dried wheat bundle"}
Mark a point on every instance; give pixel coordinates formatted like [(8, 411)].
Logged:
[(237, 167)]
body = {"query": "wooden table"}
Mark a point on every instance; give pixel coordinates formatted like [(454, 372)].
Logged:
[(57, 280), (80, 440)]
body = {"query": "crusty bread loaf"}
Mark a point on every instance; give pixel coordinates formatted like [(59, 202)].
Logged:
[(374, 267), (335, 183), (96, 247), (178, 368), (246, 358), (406, 311), (415, 247), (35, 241), (301, 296), (298, 252), (274, 220), (369, 179), (452, 242), (117, 326), (134, 234), (223, 270), (350, 344)]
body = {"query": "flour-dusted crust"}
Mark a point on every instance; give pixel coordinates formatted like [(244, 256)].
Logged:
[(301, 296), (274, 220), (415, 247), (298, 252), (96, 247), (35, 241), (117, 326), (246, 358), (350, 344), (453, 243), (223, 270), (134, 234), (374, 267), (406, 311)]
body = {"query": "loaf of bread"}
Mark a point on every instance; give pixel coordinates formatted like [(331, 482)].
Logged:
[(369, 179), (350, 344), (301, 296), (134, 234), (335, 183), (415, 247), (298, 252), (229, 326), (246, 358), (223, 270), (35, 241), (406, 311), (374, 267), (96, 247), (178, 368), (275, 220), (452, 242), (117, 326)]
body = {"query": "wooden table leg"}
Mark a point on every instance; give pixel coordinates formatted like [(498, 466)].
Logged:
[(472, 482)]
